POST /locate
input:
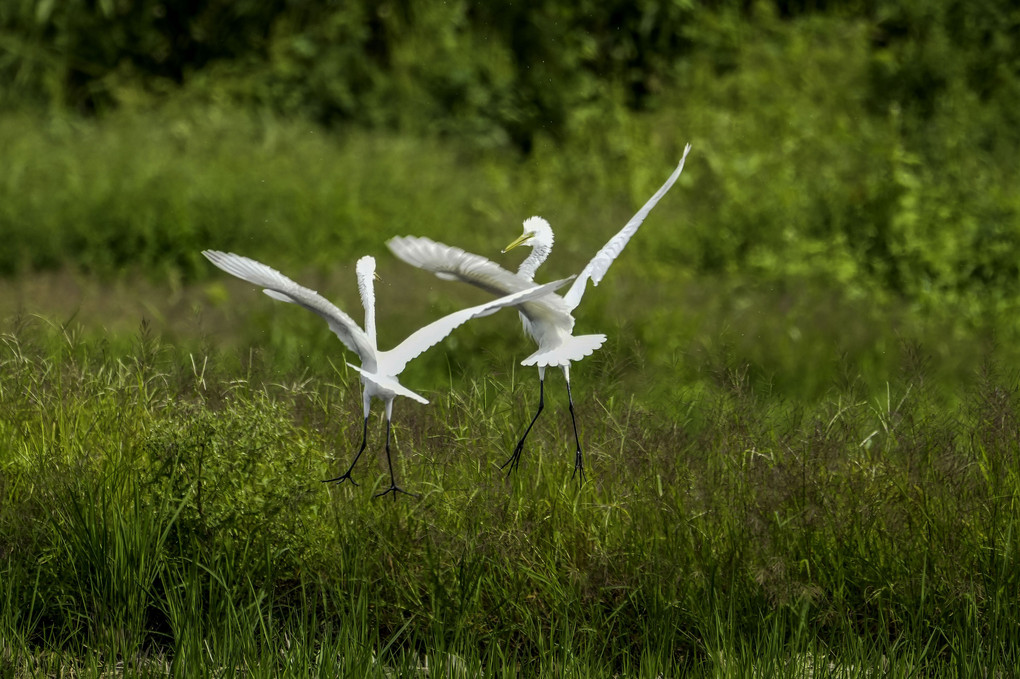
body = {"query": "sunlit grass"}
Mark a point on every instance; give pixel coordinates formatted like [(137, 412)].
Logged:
[(163, 512)]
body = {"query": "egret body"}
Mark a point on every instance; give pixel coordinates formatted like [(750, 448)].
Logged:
[(378, 369), (548, 319)]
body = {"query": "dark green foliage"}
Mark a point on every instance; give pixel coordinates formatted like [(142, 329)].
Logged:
[(734, 528), (233, 469), (80, 53), (497, 73), (929, 52)]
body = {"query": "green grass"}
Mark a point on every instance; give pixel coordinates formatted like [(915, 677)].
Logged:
[(802, 434), (164, 513)]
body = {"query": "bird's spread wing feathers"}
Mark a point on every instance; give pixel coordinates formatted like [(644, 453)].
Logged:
[(599, 264), (281, 288), (392, 362), (452, 263)]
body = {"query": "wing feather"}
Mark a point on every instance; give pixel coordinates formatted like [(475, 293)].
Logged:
[(281, 288), (599, 264), (451, 263), (392, 362)]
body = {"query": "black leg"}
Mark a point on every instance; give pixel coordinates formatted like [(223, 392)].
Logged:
[(393, 484), (515, 457), (578, 459), (346, 476)]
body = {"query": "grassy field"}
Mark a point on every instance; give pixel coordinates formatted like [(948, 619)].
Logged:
[(802, 436), (784, 479), (162, 512)]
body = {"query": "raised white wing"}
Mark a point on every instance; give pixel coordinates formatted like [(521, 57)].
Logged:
[(452, 263), (392, 362), (599, 264), (281, 288)]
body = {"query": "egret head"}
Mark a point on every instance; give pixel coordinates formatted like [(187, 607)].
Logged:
[(366, 266), (537, 233)]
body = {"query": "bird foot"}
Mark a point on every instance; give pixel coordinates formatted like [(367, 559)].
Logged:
[(396, 489), (513, 461), (578, 467), (340, 479)]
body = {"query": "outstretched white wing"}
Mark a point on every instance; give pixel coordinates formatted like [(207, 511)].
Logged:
[(599, 264), (281, 288), (452, 263), (392, 362)]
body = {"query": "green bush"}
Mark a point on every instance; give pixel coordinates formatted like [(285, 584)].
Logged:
[(496, 73), (234, 471), (83, 55)]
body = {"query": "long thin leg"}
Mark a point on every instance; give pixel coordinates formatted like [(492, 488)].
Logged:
[(578, 459), (515, 457), (393, 484), (346, 476)]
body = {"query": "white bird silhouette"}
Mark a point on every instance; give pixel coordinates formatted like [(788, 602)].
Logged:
[(379, 369), (548, 320)]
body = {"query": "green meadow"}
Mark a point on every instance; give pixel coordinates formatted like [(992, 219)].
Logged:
[(802, 436)]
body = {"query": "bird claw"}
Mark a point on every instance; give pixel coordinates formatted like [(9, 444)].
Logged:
[(396, 489), (578, 467), (513, 461), (340, 479)]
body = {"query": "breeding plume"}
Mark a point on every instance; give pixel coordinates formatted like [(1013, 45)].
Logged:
[(548, 319), (379, 369)]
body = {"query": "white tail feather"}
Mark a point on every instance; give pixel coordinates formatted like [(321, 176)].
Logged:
[(573, 349), (389, 384)]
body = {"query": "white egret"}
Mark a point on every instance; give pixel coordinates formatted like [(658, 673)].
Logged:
[(379, 369), (548, 320)]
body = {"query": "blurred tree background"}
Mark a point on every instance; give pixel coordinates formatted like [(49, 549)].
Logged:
[(862, 154), (498, 73)]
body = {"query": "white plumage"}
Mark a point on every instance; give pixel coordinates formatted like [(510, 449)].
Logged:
[(379, 369), (547, 319)]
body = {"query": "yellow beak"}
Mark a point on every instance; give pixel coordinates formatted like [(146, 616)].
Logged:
[(523, 238)]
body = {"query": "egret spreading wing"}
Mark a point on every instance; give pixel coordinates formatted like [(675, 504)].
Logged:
[(599, 264), (452, 263), (281, 288), (393, 361)]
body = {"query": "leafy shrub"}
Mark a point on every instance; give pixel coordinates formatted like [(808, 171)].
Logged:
[(82, 54), (237, 472), (496, 72)]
